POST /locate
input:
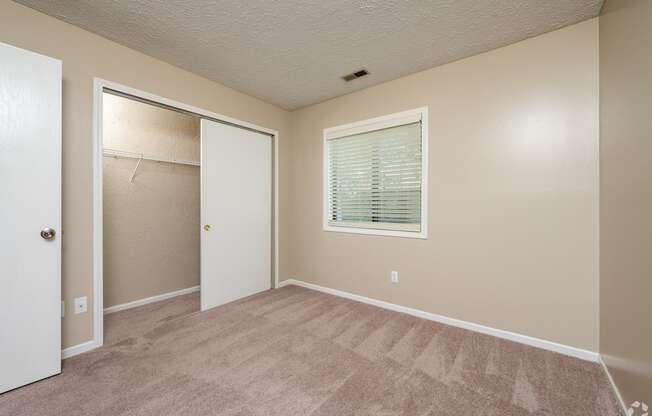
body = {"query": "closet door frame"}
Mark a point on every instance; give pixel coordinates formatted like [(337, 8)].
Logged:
[(99, 87)]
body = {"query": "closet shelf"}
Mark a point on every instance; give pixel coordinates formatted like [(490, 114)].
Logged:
[(141, 156)]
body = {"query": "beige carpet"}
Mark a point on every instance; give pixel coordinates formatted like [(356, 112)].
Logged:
[(295, 351)]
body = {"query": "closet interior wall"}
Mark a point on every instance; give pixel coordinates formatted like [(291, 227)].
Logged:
[(151, 208)]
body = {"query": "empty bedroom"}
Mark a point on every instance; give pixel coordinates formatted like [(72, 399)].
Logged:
[(319, 208)]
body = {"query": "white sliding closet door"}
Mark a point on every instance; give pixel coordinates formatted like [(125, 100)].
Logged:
[(236, 213), (30, 217)]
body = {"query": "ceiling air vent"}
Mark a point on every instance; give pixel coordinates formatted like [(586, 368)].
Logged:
[(357, 74)]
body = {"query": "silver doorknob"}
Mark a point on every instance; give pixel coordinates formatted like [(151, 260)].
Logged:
[(48, 233)]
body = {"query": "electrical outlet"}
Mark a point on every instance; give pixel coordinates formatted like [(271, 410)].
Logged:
[(80, 304), (394, 277)]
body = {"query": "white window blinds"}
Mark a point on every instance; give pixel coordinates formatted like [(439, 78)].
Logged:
[(374, 178)]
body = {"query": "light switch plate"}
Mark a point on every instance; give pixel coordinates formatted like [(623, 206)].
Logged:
[(80, 304)]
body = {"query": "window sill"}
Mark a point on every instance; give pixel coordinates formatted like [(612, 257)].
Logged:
[(423, 235)]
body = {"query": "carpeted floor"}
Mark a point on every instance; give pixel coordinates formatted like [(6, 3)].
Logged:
[(294, 351)]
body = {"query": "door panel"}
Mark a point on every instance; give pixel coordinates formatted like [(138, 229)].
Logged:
[(30, 191), (236, 192)]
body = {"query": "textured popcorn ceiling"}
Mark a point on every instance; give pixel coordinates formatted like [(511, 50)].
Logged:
[(292, 53)]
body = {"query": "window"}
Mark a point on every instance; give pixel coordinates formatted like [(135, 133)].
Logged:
[(375, 176)]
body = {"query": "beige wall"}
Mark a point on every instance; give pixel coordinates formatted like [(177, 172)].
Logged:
[(133, 126), (626, 195), (85, 56), (513, 187), (151, 225)]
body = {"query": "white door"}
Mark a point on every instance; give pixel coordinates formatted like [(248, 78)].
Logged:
[(30, 217), (236, 213)]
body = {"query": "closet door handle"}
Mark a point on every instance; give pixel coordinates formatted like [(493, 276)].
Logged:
[(207, 227)]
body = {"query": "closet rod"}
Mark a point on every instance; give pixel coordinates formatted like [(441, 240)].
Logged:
[(133, 155)]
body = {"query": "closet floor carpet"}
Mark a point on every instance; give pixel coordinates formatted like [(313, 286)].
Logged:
[(295, 351)]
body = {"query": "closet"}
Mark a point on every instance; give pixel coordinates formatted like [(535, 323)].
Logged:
[(187, 206), (151, 202)]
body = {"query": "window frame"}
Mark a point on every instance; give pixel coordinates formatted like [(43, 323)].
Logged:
[(365, 126)]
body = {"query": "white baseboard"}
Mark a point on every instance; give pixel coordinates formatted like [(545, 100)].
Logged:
[(78, 349), (523, 339), (157, 298), (613, 385)]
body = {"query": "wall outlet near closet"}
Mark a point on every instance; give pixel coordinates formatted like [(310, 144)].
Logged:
[(393, 276), (80, 304)]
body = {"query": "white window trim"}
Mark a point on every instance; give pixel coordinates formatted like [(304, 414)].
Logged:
[(390, 120)]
